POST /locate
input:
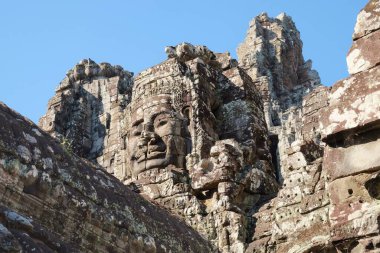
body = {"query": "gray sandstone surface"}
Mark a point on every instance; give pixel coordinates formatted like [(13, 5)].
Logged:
[(254, 154), (54, 201)]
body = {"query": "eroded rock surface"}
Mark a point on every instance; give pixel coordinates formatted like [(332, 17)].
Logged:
[(86, 112), (272, 56), (351, 129), (53, 201), (364, 52), (368, 20), (188, 134), (328, 201), (256, 155), (198, 144)]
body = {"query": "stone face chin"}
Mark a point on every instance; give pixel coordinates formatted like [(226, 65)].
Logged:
[(247, 155)]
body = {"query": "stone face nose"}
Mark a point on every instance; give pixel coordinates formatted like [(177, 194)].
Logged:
[(147, 137), (148, 127), (143, 140), (147, 134)]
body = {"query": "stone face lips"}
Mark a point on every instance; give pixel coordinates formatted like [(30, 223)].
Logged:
[(54, 201)]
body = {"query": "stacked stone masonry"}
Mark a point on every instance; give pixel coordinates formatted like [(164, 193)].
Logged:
[(54, 201), (254, 154), (330, 188)]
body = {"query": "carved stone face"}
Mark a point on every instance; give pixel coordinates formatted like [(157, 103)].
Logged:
[(157, 136)]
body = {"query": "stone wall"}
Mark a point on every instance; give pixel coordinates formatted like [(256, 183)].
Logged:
[(351, 129), (86, 113), (218, 163), (214, 109), (329, 197), (53, 201), (256, 155)]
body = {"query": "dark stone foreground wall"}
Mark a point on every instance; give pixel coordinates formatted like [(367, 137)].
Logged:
[(53, 201)]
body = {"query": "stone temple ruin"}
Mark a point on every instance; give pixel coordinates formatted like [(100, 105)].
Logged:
[(202, 153)]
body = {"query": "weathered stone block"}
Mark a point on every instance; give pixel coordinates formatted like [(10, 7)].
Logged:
[(368, 19), (312, 202), (353, 212), (66, 204), (364, 53), (345, 161), (354, 102)]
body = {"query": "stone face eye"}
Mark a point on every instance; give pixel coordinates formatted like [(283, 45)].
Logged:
[(136, 133), (136, 130), (162, 122)]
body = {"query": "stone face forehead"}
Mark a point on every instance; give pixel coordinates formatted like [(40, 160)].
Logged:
[(167, 78), (181, 83), (148, 107), (169, 67), (154, 100)]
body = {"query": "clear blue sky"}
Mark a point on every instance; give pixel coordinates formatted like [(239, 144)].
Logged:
[(41, 40)]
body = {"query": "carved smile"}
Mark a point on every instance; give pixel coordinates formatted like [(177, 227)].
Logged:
[(151, 155), (154, 152), (156, 155), (155, 148)]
